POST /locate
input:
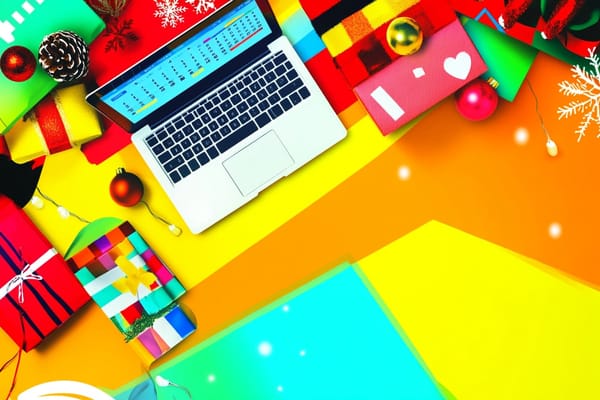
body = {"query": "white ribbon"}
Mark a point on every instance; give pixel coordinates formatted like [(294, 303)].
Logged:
[(27, 273)]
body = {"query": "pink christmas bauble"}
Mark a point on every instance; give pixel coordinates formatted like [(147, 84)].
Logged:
[(477, 100)]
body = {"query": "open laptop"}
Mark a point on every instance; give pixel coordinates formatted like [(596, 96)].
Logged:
[(222, 112)]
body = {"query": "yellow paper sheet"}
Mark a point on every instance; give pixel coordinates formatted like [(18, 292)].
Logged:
[(490, 324)]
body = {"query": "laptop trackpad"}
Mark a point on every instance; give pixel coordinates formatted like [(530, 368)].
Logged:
[(258, 163)]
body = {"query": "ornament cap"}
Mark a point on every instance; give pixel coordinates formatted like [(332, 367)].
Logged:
[(493, 82)]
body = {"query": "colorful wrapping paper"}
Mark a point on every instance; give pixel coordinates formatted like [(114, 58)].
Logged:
[(59, 122), (25, 23), (38, 292), (135, 290), (355, 33)]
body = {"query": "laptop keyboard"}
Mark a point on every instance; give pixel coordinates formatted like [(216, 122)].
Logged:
[(226, 117)]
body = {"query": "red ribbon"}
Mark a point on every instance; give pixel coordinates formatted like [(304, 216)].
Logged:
[(51, 125)]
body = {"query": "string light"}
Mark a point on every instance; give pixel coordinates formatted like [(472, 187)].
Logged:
[(174, 229), (127, 190), (64, 213), (162, 382), (551, 146)]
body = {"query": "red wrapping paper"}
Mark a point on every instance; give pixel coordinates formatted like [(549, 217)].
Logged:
[(45, 297), (127, 39), (430, 15), (136, 33)]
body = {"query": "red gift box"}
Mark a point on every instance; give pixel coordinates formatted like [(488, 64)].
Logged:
[(38, 291)]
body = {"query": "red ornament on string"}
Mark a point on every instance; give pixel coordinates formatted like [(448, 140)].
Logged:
[(478, 99), (126, 189), (18, 63)]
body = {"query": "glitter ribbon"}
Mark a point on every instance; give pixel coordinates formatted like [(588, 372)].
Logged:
[(146, 321)]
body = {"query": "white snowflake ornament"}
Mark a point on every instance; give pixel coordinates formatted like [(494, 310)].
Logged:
[(586, 85), (202, 6), (169, 11)]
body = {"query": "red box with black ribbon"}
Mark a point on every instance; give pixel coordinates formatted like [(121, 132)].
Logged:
[(38, 291)]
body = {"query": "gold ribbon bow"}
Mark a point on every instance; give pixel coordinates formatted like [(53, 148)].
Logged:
[(134, 277)]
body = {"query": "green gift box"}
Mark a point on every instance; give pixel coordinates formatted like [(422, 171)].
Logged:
[(25, 23)]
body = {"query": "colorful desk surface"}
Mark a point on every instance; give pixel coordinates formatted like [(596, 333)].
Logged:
[(487, 322)]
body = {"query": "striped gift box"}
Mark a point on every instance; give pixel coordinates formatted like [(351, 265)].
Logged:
[(135, 290)]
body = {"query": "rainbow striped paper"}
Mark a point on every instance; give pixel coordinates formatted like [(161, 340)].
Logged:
[(135, 290)]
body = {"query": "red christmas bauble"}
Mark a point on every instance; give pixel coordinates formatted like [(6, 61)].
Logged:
[(126, 189), (477, 100), (18, 63)]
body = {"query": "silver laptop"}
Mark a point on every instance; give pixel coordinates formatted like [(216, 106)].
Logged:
[(222, 112)]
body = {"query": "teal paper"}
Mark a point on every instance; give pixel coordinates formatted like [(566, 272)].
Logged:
[(328, 340), (508, 59)]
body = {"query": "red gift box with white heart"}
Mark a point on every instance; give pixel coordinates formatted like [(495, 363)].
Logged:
[(38, 291)]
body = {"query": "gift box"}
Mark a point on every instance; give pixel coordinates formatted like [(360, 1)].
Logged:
[(59, 122), (25, 24), (394, 88), (358, 43), (38, 291), (135, 290)]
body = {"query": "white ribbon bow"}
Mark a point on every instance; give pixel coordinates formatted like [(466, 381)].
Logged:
[(27, 273)]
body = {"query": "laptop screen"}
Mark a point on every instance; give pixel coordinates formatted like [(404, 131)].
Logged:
[(186, 64)]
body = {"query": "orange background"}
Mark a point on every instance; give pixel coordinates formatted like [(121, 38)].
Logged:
[(472, 176)]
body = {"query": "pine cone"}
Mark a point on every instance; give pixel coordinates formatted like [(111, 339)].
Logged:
[(64, 55)]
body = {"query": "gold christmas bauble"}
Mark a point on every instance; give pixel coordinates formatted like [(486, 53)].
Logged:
[(404, 36)]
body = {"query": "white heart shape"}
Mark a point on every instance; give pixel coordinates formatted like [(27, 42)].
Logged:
[(459, 66)]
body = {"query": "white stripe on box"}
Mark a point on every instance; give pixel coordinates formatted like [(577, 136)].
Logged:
[(138, 261), (104, 281), (120, 303), (18, 17), (125, 300), (27, 7), (388, 104), (167, 332)]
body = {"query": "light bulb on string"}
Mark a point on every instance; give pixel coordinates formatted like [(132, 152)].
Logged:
[(63, 212), (127, 190), (162, 382), (551, 147), (37, 202)]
